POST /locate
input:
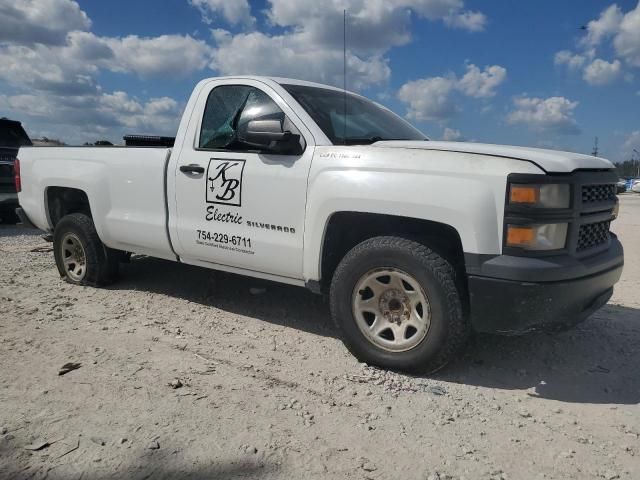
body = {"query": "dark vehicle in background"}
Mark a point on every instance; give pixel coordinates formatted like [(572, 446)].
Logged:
[(12, 137)]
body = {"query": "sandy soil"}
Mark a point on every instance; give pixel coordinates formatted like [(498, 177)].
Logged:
[(269, 392)]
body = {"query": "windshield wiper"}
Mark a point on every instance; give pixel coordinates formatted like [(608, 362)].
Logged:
[(369, 140), (358, 140)]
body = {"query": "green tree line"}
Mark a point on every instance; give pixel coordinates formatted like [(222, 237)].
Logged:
[(628, 168)]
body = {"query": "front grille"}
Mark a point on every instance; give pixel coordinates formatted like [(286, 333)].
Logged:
[(593, 200), (598, 193), (593, 235)]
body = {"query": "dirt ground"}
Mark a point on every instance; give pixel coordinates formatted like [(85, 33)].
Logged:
[(268, 391)]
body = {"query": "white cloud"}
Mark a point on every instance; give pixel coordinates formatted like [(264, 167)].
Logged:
[(172, 55), (156, 115), (613, 29), (605, 26), (92, 117), (310, 43), (63, 59), (52, 60), (452, 135), (600, 72), (428, 98), (46, 69), (631, 142), (28, 22), (573, 61), (289, 55), (52, 63), (70, 69), (627, 40), (548, 115), (233, 11), (471, 21), (372, 24), (373, 27), (482, 84), (431, 98)]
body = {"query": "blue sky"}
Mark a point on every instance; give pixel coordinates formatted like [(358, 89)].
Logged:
[(494, 71)]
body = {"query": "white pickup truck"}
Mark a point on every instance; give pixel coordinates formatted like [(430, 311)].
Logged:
[(417, 242)]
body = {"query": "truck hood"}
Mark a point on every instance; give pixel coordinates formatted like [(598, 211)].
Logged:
[(552, 161)]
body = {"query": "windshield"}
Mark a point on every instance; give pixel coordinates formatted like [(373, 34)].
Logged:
[(365, 123)]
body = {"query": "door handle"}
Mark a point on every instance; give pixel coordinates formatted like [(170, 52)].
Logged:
[(192, 168)]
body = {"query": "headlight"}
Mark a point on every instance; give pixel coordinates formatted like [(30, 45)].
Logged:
[(552, 195), (546, 236)]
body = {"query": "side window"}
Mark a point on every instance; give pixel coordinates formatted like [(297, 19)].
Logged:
[(229, 108), (222, 108)]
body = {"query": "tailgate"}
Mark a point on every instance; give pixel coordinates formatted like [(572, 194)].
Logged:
[(7, 159)]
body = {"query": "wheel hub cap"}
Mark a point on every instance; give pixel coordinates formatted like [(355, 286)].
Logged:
[(391, 309), (73, 257), (395, 306)]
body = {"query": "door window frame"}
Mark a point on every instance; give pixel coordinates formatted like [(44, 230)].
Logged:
[(202, 108)]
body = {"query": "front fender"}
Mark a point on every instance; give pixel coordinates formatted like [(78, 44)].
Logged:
[(471, 200)]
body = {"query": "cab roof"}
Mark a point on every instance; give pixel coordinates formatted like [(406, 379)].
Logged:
[(280, 81)]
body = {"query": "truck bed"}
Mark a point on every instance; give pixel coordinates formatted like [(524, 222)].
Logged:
[(125, 186)]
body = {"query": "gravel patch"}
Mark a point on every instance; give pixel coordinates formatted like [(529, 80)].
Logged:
[(180, 372)]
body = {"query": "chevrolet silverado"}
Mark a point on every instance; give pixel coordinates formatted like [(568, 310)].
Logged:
[(309, 185)]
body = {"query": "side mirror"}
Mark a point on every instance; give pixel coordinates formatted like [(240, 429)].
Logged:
[(269, 135)]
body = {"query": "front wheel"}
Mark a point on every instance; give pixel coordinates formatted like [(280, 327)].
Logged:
[(397, 305), (81, 258)]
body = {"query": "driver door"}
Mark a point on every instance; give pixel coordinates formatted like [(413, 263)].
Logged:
[(237, 205)]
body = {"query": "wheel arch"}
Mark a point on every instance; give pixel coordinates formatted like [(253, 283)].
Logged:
[(339, 237), (62, 201)]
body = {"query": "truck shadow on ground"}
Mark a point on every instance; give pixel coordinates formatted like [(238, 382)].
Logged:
[(272, 302), (596, 362), (11, 230), (166, 464), (239, 471)]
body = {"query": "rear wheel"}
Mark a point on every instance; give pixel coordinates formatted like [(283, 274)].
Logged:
[(397, 305), (81, 257)]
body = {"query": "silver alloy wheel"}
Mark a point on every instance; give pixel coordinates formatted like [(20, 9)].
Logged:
[(73, 257), (391, 309)]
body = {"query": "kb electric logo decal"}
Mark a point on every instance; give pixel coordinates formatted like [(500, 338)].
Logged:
[(224, 181)]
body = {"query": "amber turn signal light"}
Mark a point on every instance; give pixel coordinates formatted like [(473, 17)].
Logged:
[(524, 194), (519, 236), (541, 236)]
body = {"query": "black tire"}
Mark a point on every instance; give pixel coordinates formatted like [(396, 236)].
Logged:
[(101, 261), (449, 329)]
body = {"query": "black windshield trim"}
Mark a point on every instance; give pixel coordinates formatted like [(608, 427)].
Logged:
[(321, 118)]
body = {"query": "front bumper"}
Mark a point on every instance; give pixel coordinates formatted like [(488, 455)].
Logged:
[(534, 294)]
